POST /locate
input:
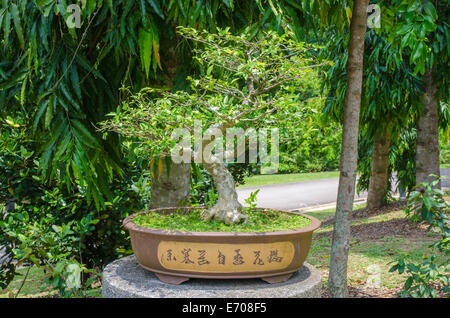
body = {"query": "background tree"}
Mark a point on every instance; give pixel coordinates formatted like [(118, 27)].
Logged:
[(349, 155), (320, 15), (388, 106), (420, 28)]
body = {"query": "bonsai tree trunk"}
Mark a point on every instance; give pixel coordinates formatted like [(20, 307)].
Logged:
[(427, 152), (379, 177), (227, 209), (171, 190), (349, 155)]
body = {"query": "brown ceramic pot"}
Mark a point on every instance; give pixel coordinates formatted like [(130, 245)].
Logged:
[(176, 256)]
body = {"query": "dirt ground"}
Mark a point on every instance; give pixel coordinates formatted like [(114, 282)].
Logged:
[(394, 228), (375, 231)]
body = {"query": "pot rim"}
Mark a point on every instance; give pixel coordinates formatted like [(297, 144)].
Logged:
[(128, 224)]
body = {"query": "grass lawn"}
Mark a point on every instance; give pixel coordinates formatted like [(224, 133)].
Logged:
[(260, 180), (376, 241), (32, 288)]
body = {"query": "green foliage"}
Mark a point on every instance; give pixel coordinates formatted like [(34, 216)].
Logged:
[(427, 203), (62, 227), (62, 81), (413, 37), (311, 143), (423, 277), (421, 28), (43, 243), (391, 102), (66, 79), (310, 18), (65, 230), (427, 278), (251, 200), (402, 158), (202, 187)]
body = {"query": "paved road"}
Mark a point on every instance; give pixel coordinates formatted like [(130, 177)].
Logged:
[(445, 183), (297, 195)]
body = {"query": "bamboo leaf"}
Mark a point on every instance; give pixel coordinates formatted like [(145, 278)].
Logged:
[(156, 7), (23, 91), (69, 97), (110, 5), (39, 114), (49, 112), (7, 28), (17, 25), (92, 4), (156, 53), (75, 82), (83, 134), (45, 160), (63, 145), (145, 42), (143, 12), (18, 77)]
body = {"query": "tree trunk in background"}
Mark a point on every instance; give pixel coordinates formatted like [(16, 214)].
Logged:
[(379, 177), (171, 190), (427, 152), (174, 189), (337, 281)]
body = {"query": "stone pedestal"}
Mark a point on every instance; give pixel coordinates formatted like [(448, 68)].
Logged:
[(125, 278)]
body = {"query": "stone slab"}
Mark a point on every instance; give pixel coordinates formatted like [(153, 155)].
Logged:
[(125, 278)]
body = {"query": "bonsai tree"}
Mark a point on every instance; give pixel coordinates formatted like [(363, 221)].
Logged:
[(246, 83)]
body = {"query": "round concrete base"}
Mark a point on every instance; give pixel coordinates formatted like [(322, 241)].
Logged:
[(125, 278)]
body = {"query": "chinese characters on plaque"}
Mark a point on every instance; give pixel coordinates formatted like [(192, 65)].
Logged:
[(210, 257)]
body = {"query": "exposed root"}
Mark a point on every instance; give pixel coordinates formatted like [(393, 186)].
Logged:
[(230, 214)]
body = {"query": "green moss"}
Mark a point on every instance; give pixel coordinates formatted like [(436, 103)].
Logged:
[(259, 221)]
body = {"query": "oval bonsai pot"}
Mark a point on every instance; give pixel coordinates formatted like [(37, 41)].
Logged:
[(176, 256)]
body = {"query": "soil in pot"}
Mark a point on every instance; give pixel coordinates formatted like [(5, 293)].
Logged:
[(190, 221)]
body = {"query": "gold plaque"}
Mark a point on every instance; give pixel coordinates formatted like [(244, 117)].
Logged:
[(225, 258)]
